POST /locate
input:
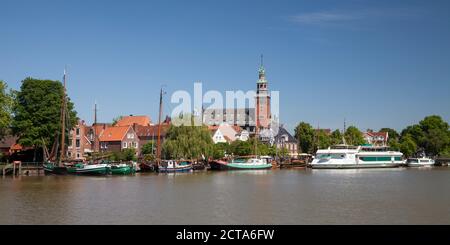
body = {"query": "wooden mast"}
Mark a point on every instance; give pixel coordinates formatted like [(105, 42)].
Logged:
[(63, 119), (158, 144)]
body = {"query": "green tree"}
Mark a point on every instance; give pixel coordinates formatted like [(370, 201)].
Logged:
[(37, 112), (242, 148), (304, 133), (407, 146), (188, 142), (129, 154), (437, 136), (323, 139), (148, 148), (5, 109), (336, 137), (220, 149), (431, 135), (353, 136)]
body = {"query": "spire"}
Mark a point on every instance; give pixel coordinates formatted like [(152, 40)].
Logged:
[(262, 71)]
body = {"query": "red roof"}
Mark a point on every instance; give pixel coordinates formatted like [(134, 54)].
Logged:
[(130, 120), (152, 130), (114, 133)]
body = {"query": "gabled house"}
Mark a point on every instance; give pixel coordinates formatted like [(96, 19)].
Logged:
[(227, 133), (114, 139), (285, 140), (376, 138)]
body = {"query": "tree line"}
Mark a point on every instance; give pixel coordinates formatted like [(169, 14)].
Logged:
[(430, 136)]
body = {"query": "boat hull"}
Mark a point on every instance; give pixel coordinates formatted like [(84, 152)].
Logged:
[(221, 166), (175, 170), (121, 170), (145, 167), (54, 170), (353, 166), (89, 171)]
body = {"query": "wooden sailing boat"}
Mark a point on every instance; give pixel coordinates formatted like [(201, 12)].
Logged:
[(169, 166), (57, 167)]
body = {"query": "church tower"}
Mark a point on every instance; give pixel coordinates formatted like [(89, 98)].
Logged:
[(263, 113)]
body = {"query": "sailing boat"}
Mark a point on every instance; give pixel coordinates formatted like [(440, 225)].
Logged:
[(168, 166), (57, 167)]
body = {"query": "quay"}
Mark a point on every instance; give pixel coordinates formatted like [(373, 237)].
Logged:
[(18, 168)]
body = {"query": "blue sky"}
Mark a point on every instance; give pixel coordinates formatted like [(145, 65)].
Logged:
[(375, 63)]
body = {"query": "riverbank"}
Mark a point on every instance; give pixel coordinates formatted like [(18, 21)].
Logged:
[(369, 196)]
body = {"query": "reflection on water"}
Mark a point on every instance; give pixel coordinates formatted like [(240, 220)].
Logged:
[(364, 196)]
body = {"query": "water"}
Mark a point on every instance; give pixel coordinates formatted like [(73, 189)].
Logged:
[(385, 196)]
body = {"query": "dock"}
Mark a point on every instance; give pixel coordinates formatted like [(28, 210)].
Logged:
[(22, 168)]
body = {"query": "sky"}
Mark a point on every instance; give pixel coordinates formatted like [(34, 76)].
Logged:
[(376, 64)]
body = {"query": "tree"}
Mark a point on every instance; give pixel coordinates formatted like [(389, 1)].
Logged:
[(37, 112), (323, 139), (437, 136), (353, 136), (148, 148), (129, 154), (241, 148), (336, 137), (220, 150), (188, 142), (5, 109), (304, 132), (431, 135), (407, 146)]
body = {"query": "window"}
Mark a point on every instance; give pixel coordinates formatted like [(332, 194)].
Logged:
[(124, 144), (77, 143), (103, 145), (78, 131)]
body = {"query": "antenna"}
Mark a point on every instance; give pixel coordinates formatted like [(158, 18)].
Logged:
[(262, 60)]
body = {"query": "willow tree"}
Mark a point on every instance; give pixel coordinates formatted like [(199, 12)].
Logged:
[(5, 109), (188, 142), (37, 112)]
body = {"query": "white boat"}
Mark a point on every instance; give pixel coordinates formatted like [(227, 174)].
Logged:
[(367, 156), (420, 162), (171, 166)]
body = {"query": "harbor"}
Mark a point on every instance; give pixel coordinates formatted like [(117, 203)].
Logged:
[(357, 196)]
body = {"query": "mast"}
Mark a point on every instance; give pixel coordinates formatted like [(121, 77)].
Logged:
[(95, 127), (158, 144), (63, 119)]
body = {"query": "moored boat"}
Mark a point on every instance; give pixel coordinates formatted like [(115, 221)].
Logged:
[(420, 162), (93, 169), (52, 168), (351, 157), (172, 166), (252, 163), (122, 169)]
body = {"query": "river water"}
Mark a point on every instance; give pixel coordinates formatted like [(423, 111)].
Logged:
[(371, 196)]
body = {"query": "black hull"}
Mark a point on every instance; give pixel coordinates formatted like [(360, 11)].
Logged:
[(56, 171), (144, 167)]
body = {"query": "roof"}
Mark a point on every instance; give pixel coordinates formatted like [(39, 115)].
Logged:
[(8, 141), (377, 134), (281, 132), (114, 133), (143, 131), (130, 120)]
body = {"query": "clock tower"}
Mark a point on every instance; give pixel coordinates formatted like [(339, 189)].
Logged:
[(263, 113)]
